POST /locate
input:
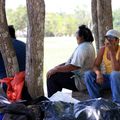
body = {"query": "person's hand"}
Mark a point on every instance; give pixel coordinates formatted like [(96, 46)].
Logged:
[(99, 79), (110, 46), (51, 72)]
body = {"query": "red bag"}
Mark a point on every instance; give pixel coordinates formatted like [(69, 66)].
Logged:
[(14, 86)]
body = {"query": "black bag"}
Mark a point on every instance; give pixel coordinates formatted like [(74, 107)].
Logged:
[(97, 109), (17, 111), (24, 110), (94, 109)]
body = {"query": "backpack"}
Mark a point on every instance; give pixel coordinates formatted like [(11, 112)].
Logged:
[(14, 86)]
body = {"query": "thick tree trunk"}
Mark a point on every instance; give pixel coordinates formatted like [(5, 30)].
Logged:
[(34, 66), (95, 22), (102, 19), (6, 47)]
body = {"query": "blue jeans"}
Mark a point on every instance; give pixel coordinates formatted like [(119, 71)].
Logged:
[(111, 81)]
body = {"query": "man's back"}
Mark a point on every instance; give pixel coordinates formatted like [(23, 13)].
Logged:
[(20, 49)]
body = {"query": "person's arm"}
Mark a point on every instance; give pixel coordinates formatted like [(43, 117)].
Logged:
[(63, 68), (60, 64), (112, 50), (114, 61), (97, 63)]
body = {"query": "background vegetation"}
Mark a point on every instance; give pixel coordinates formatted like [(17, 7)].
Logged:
[(57, 24), (116, 19)]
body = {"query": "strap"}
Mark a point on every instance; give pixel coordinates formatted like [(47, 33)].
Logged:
[(6, 80)]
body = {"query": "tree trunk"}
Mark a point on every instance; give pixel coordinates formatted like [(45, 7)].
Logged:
[(6, 47), (34, 63), (95, 22), (102, 19)]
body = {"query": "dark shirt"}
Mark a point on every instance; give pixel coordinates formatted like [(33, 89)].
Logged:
[(20, 49)]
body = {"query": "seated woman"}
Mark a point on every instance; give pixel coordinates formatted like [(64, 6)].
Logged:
[(110, 55), (70, 75)]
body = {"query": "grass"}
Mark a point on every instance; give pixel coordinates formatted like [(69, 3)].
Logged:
[(57, 50)]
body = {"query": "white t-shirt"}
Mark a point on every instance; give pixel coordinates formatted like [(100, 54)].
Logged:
[(83, 57)]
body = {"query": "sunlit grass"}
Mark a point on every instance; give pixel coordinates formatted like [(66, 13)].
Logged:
[(57, 50)]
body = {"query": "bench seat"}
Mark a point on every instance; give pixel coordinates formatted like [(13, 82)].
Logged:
[(84, 95)]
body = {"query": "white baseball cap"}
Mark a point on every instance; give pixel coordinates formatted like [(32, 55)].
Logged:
[(113, 33)]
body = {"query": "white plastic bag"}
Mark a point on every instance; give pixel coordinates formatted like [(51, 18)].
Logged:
[(65, 97)]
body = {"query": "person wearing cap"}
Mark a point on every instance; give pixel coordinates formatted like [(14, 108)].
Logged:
[(109, 55)]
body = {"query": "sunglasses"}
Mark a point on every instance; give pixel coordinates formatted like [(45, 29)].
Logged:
[(110, 38)]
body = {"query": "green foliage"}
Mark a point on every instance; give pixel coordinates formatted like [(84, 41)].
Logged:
[(17, 17), (57, 24), (116, 19)]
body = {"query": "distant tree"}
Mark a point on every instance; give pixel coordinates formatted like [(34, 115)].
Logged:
[(56, 24), (35, 43), (18, 17), (6, 47), (116, 19), (82, 16), (51, 24), (59, 24), (69, 25)]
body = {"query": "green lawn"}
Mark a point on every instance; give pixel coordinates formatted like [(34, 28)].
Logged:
[(57, 50)]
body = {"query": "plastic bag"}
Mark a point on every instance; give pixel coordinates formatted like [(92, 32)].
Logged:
[(17, 111), (58, 110), (97, 109), (93, 109), (24, 110), (65, 97), (14, 86)]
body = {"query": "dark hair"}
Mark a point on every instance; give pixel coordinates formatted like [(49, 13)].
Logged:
[(11, 31), (86, 33)]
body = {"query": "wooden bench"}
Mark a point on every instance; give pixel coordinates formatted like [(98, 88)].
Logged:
[(84, 95)]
